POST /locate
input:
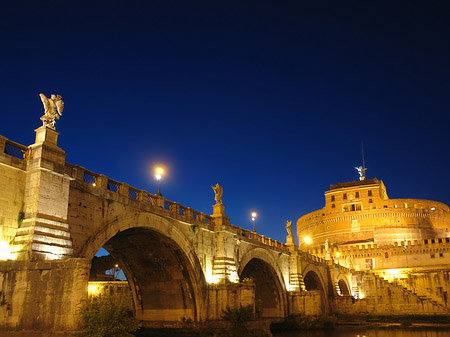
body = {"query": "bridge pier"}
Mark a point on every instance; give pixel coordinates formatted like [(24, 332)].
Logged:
[(42, 295), (43, 232)]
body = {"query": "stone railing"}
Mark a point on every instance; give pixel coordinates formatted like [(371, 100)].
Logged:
[(123, 192), (13, 153), (311, 258), (246, 235)]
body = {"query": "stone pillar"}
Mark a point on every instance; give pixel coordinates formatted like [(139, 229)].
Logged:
[(44, 233), (224, 264)]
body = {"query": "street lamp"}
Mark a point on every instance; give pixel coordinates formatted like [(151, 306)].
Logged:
[(307, 242), (116, 273), (253, 220), (158, 175)]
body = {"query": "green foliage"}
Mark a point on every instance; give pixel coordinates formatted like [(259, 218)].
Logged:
[(238, 315), (20, 218), (106, 316)]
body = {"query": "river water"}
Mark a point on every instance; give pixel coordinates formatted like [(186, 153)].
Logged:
[(361, 332)]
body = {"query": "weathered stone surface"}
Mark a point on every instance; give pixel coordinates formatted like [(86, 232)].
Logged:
[(180, 263), (44, 295)]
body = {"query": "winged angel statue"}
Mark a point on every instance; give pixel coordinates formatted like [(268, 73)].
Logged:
[(53, 107)]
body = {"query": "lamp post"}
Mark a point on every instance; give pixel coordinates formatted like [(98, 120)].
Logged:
[(158, 175), (253, 220), (116, 269)]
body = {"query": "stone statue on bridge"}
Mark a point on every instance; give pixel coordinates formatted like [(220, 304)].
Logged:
[(218, 190), (53, 108), (289, 228)]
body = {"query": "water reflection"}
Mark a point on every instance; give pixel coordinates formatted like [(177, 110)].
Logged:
[(359, 332)]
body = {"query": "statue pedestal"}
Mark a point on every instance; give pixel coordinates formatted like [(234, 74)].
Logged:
[(46, 135), (218, 210), (219, 215), (290, 243)]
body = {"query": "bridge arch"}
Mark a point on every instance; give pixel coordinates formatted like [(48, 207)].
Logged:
[(162, 269), (313, 279), (343, 285), (270, 287)]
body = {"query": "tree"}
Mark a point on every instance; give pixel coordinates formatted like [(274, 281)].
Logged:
[(106, 316)]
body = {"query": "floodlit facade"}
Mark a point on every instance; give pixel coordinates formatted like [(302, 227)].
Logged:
[(360, 212)]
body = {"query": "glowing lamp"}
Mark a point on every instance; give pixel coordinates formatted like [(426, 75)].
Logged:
[(158, 175), (253, 220)]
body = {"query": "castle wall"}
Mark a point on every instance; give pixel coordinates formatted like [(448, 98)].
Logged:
[(361, 212), (379, 297)]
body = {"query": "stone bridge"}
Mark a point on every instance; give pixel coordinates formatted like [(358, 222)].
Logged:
[(55, 216)]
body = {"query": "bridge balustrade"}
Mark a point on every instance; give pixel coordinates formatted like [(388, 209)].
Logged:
[(90, 178), (246, 235), (14, 149), (96, 180), (133, 193), (14, 154)]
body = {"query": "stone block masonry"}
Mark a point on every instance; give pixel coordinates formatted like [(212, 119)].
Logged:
[(42, 295)]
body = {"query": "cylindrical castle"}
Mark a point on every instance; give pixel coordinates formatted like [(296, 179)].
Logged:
[(360, 212)]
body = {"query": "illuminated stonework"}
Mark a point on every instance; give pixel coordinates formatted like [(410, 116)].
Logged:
[(180, 262), (360, 212)]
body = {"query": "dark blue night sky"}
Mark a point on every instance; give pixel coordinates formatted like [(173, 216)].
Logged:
[(270, 99)]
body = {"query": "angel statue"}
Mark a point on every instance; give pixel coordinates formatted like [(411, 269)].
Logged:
[(289, 228), (53, 107), (218, 190), (362, 172)]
